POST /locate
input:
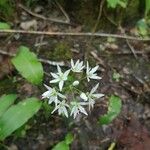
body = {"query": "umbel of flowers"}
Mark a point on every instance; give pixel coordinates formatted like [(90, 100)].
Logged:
[(66, 93)]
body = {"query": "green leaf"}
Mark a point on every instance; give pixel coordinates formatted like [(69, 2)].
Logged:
[(122, 4), (147, 6), (142, 27), (28, 65), (61, 146), (112, 3), (114, 109), (6, 101), (69, 138), (4, 25), (17, 115)]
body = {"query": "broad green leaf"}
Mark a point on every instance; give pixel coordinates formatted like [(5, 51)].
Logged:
[(114, 109), (28, 65), (147, 6), (6, 101), (61, 146), (4, 25), (17, 115), (69, 138)]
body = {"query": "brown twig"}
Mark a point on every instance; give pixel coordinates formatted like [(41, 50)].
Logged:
[(131, 48), (75, 34), (43, 17), (40, 59), (99, 15), (109, 19), (126, 53), (63, 11)]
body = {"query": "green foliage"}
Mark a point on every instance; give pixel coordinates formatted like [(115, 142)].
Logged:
[(47, 109), (114, 3), (61, 146), (21, 132), (62, 51), (6, 101), (147, 7), (69, 138), (116, 76), (28, 65), (17, 115), (6, 8), (142, 27), (114, 109), (4, 25), (64, 145)]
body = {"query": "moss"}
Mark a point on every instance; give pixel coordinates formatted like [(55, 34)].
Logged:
[(62, 52)]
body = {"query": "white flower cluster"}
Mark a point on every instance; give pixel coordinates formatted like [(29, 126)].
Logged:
[(69, 98)]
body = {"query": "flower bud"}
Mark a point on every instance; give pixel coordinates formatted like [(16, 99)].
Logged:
[(75, 83), (83, 96)]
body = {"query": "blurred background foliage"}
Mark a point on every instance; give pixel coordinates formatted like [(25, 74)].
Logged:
[(114, 12)]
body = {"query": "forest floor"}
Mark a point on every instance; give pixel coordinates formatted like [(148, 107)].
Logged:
[(125, 70)]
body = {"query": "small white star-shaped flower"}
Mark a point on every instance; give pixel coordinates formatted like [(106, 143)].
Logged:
[(90, 72), (52, 95), (62, 108), (77, 108), (77, 67), (60, 77), (90, 96)]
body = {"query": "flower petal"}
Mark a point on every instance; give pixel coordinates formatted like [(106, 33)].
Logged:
[(94, 69), (66, 73), (95, 77), (54, 75), (48, 87), (46, 94), (82, 110), (61, 83), (98, 95), (59, 69), (54, 81), (72, 63), (62, 96), (65, 111), (94, 88), (57, 107), (87, 67)]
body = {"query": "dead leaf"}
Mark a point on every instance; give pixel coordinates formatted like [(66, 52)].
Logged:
[(32, 24)]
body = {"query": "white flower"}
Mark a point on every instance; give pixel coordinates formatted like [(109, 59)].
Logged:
[(77, 108), (90, 72), (91, 96), (52, 95), (77, 67), (62, 108), (60, 77), (75, 83)]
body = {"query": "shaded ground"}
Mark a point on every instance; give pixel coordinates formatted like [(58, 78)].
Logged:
[(122, 73)]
